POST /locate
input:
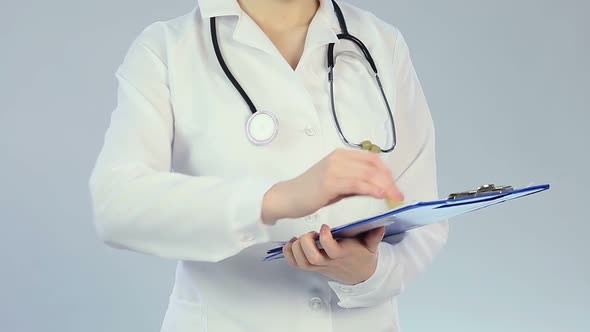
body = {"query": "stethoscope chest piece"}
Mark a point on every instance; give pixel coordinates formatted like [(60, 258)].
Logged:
[(262, 127)]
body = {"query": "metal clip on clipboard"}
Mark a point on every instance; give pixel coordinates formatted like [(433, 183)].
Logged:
[(482, 190)]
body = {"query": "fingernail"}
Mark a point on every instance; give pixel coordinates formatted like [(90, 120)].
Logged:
[(402, 196)]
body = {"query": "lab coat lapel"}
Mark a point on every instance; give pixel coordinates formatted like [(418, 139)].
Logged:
[(322, 31), (248, 33), (323, 28)]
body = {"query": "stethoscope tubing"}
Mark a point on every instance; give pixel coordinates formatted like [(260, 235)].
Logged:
[(331, 63)]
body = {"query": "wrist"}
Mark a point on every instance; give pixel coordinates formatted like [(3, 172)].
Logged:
[(369, 270), (275, 203)]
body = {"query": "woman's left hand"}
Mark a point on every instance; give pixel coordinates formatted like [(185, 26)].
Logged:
[(349, 261)]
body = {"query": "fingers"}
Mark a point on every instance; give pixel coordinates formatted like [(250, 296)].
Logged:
[(288, 252), (382, 180), (373, 238), (364, 182), (300, 258), (303, 253), (367, 175), (363, 173), (365, 156), (352, 187), (371, 159), (332, 248), (313, 255)]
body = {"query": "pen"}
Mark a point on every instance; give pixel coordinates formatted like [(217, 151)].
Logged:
[(369, 146)]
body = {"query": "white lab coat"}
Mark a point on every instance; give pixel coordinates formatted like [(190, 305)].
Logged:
[(177, 177)]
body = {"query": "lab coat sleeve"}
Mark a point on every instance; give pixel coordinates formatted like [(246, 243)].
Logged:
[(402, 258), (139, 204)]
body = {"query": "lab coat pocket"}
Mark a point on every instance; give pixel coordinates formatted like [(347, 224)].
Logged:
[(185, 316)]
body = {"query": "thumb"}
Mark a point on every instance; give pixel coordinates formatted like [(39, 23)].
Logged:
[(373, 238)]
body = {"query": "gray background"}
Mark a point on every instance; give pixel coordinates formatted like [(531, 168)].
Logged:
[(507, 82)]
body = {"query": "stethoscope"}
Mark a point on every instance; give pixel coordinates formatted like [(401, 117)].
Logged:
[(262, 126)]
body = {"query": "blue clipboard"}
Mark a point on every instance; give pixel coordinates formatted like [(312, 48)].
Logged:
[(413, 215)]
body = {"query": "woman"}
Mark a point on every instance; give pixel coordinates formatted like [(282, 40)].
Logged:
[(179, 176)]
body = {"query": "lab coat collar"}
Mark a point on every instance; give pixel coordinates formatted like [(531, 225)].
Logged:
[(322, 30), (216, 8)]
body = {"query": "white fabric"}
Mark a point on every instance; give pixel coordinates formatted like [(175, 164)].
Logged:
[(178, 178)]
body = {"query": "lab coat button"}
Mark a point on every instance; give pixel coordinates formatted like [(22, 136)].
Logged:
[(315, 303), (345, 289), (311, 218), (309, 131)]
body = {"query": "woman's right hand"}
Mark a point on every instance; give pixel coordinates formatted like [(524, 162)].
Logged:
[(343, 173)]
